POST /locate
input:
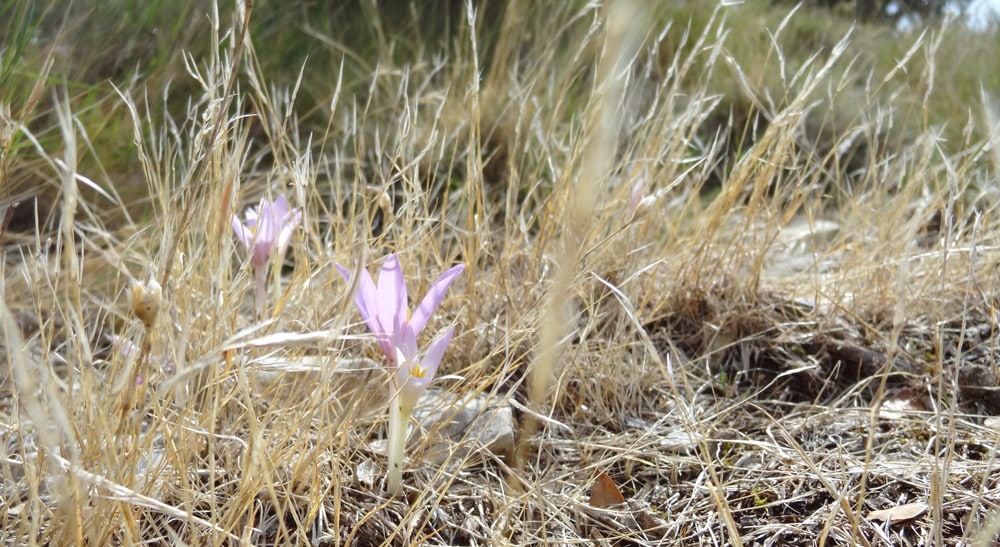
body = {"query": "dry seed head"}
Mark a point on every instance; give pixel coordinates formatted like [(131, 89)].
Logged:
[(643, 207), (385, 204), (145, 298)]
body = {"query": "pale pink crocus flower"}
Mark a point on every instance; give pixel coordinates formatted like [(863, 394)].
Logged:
[(384, 308), (265, 231), (638, 192)]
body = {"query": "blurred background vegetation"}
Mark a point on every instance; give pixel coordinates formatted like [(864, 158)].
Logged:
[(888, 11), (86, 49)]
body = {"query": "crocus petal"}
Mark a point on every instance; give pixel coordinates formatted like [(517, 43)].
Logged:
[(366, 299), (405, 340), (267, 226), (412, 386), (251, 215), (435, 351), (288, 225), (279, 207), (243, 233), (124, 346), (434, 297), (392, 312), (361, 297), (344, 272)]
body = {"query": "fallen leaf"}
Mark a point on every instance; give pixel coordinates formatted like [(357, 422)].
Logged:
[(605, 493), (899, 513)]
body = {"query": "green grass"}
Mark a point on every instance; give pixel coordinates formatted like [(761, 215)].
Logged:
[(793, 328)]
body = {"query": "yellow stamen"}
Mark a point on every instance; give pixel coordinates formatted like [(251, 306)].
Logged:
[(418, 371)]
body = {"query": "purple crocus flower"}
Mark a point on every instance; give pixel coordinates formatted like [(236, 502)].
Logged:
[(266, 230), (385, 310), (415, 372)]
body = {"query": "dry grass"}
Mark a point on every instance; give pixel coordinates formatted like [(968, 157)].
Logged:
[(763, 352)]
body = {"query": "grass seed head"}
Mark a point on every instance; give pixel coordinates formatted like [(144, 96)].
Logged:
[(145, 298)]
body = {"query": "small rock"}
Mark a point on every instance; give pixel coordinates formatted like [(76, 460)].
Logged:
[(367, 473), (453, 426), (679, 441)]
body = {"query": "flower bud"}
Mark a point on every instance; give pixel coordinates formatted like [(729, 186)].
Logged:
[(385, 204), (145, 298)]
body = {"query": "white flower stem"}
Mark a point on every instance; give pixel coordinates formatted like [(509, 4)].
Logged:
[(260, 289), (399, 421)]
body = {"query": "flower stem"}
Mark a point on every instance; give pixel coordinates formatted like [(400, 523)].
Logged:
[(399, 420), (260, 289)]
